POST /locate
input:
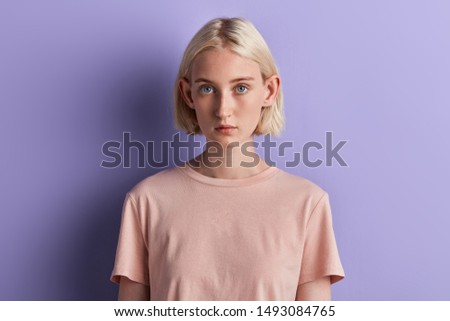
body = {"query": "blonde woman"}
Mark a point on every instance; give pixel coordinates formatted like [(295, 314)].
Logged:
[(226, 225)]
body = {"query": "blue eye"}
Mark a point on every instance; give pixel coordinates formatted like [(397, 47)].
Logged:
[(241, 89), (206, 89)]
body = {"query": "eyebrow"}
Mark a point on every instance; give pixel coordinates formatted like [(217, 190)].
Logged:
[(231, 81)]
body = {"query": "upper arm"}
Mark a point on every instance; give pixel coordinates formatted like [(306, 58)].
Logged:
[(133, 291), (317, 290)]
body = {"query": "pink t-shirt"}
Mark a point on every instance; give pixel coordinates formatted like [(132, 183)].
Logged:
[(192, 237)]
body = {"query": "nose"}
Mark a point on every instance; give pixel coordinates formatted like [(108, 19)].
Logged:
[(225, 106)]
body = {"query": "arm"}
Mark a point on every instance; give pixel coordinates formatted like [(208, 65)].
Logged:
[(317, 290), (133, 291)]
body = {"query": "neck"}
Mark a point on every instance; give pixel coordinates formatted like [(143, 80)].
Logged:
[(231, 161)]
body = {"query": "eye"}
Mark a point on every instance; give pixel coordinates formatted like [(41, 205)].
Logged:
[(206, 89), (241, 89)]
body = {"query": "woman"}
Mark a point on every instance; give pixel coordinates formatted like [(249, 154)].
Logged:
[(226, 225)]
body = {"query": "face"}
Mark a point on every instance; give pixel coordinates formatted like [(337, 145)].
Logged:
[(228, 94)]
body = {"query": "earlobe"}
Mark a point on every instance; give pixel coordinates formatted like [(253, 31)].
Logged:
[(185, 88), (272, 87)]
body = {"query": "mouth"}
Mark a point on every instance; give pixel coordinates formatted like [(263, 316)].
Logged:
[(225, 129)]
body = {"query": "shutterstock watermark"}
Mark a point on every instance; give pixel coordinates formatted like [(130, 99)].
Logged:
[(161, 154)]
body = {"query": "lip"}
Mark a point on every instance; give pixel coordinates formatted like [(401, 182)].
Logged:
[(225, 129)]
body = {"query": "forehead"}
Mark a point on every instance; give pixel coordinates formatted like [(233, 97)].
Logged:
[(223, 64)]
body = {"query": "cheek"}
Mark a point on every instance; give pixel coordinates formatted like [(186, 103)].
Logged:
[(256, 98), (200, 104), (203, 102), (252, 105), (250, 115), (202, 115)]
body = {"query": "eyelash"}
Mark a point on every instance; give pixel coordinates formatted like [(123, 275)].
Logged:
[(246, 88), (202, 88)]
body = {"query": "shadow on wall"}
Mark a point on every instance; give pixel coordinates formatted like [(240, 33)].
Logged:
[(141, 105)]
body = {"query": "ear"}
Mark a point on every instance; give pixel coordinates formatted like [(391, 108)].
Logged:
[(184, 87), (272, 87)]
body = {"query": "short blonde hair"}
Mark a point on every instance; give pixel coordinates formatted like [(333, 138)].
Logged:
[(240, 36)]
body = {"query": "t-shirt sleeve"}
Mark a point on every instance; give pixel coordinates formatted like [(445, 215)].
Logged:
[(132, 251), (320, 252)]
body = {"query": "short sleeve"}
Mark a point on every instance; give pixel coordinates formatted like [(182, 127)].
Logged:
[(132, 252), (320, 253)]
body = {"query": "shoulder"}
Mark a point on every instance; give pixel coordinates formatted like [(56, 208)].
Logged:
[(299, 192), (299, 183), (160, 182)]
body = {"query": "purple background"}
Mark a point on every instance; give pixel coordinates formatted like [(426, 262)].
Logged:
[(74, 75)]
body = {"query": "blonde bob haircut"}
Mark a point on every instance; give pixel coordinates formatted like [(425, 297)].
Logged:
[(241, 37)]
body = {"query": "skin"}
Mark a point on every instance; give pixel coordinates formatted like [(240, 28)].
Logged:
[(225, 88), (317, 290), (133, 291)]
